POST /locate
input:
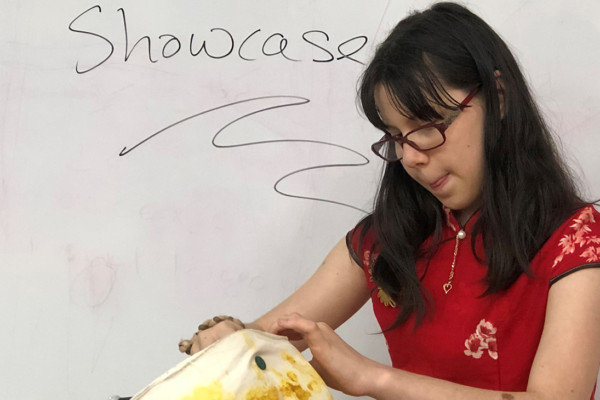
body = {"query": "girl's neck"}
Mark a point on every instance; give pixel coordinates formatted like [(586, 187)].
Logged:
[(463, 216)]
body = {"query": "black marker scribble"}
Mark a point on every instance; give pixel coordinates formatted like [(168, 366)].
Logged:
[(300, 101), (294, 101)]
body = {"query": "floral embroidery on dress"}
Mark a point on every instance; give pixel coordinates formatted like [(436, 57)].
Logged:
[(367, 261), (484, 338), (385, 298), (580, 237)]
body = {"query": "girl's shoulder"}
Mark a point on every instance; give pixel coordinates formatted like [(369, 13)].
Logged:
[(574, 245), (362, 241)]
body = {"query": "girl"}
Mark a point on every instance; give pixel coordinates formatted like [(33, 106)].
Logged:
[(480, 257)]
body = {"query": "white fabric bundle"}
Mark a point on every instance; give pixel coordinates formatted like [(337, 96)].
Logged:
[(248, 365)]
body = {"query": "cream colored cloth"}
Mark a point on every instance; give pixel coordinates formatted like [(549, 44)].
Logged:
[(246, 365)]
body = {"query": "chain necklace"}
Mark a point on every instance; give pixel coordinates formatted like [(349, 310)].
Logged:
[(448, 285)]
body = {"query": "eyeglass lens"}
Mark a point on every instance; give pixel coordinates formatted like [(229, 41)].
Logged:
[(422, 139)]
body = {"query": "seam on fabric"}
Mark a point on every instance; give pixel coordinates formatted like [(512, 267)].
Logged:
[(569, 272), (353, 254)]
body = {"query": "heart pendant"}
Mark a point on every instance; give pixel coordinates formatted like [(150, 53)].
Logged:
[(447, 287)]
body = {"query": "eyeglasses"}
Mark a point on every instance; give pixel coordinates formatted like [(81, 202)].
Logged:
[(424, 138)]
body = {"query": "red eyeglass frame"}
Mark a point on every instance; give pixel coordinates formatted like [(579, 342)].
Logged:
[(440, 126)]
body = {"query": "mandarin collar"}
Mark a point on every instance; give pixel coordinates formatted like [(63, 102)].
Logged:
[(453, 223)]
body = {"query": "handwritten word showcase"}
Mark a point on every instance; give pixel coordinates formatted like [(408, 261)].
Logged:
[(215, 43)]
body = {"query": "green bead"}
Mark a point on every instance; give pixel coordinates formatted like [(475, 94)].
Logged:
[(260, 362)]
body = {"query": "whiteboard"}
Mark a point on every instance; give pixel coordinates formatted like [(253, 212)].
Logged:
[(163, 162)]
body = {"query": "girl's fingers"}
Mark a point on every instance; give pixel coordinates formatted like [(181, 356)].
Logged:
[(209, 332), (185, 346), (289, 333), (209, 323), (297, 323), (296, 327)]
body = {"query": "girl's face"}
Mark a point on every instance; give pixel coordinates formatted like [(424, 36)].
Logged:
[(453, 172)]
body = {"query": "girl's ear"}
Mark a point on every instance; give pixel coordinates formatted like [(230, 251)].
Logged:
[(500, 88)]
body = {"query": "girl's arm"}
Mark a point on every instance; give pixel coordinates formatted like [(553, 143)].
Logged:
[(565, 366), (332, 294)]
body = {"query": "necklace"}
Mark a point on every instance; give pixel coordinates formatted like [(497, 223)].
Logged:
[(448, 285)]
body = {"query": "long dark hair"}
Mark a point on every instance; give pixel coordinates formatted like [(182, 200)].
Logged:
[(527, 192)]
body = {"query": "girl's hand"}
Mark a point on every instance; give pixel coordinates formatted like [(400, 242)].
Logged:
[(209, 332), (341, 367)]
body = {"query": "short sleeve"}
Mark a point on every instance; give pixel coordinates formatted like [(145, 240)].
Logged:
[(360, 242), (352, 244), (575, 245)]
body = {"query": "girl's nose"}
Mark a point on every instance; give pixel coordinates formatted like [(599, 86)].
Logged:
[(412, 157)]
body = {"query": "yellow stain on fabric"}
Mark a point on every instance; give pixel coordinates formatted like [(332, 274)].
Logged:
[(294, 391), (289, 383), (292, 376), (262, 393), (212, 392), (249, 342), (289, 358), (291, 388)]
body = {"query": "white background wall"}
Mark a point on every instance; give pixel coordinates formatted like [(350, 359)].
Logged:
[(107, 261)]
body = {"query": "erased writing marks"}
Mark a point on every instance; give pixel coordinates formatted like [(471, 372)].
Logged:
[(92, 285)]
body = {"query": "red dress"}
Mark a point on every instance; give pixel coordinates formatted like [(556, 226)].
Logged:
[(486, 342)]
